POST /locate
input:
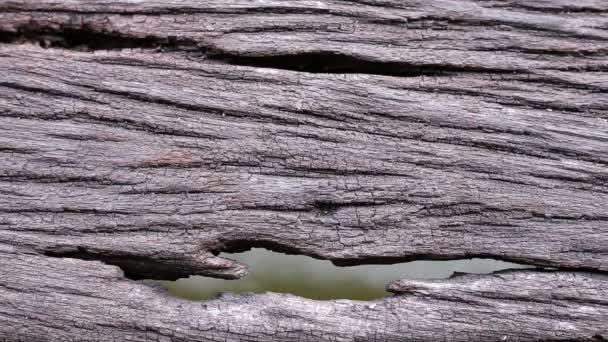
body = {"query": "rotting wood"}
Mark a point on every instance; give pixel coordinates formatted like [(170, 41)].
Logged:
[(404, 130)]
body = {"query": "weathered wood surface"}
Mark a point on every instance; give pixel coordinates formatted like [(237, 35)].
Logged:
[(438, 129)]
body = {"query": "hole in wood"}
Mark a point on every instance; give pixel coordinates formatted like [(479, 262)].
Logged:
[(320, 279)]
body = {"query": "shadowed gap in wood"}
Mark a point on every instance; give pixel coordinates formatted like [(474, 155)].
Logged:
[(320, 279)]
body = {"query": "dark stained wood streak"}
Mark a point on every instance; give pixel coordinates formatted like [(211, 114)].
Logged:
[(154, 135)]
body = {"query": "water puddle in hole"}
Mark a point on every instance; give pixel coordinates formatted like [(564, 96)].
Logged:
[(320, 279)]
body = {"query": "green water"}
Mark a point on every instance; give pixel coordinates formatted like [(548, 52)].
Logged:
[(320, 279)]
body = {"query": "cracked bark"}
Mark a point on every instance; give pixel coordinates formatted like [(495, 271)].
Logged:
[(153, 136)]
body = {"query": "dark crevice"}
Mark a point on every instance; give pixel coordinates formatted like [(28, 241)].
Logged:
[(17, 150), (322, 172), (135, 267), (175, 10), (326, 208), (24, 177), (390, 260), (329, 207), (340, 172), (322, 208), (545, 8), (86, 38), (332, 62), (65, 210)]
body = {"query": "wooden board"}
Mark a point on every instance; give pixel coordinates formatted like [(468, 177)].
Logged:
[(154, 135)]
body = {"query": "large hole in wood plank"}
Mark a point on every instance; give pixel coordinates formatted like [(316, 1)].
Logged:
[(320, 279)]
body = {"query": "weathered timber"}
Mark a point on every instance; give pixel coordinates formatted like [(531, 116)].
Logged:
[(154, 135)]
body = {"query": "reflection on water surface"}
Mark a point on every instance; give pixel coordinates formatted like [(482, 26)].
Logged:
[(320, 279)]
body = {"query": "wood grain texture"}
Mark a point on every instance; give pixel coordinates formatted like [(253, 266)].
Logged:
[(153, 135)]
